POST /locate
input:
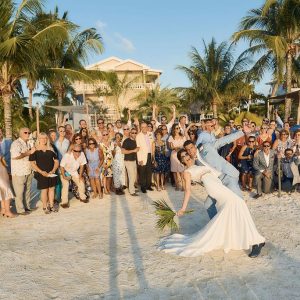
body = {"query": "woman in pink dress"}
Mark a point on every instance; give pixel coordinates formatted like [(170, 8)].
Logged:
[(176, 141), (6, 193)]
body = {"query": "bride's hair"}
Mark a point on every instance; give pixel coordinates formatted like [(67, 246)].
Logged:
[(179, 155)]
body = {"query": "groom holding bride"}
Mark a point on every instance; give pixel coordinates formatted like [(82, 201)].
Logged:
[(231, 226)]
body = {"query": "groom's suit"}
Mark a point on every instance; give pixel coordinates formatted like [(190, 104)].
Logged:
[(229, 174)]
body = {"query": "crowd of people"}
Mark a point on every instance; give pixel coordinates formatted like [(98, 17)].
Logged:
[(112, 158)]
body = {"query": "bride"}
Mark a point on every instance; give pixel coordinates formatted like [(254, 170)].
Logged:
[(231, 229)]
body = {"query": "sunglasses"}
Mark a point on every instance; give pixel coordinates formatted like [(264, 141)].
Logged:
[(125, 128), (104, 134), (27, 132), (77, 139), (133, 132), (176, 127), (77, 151), (251, 141), (266, 146)]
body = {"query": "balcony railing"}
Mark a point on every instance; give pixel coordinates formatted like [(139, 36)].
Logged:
[(91, 88)]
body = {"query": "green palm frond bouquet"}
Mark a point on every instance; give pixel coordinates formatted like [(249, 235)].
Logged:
[(166, 216)]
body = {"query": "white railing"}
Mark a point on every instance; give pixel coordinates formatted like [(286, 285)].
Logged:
[(86, 87)]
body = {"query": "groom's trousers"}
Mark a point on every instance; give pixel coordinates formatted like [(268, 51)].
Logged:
[(233, 184)]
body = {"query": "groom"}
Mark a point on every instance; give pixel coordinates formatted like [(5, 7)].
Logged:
[(208, 155)]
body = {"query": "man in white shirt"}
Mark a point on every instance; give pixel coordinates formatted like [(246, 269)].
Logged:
[(144, 158), (69, 166), (21, 171), (263, 164)]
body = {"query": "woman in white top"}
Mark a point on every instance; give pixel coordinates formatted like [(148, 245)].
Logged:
[(232, 228)]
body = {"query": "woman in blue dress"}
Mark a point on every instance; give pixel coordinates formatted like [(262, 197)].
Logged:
[(246, 156), (95, 159), (161, 163)]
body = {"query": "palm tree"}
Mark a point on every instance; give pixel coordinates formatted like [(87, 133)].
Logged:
[(21, 49), (215, 73), (163, 98), (116, 90), (274, 30), (67, 59)]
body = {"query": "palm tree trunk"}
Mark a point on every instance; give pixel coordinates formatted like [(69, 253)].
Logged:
[(288, 101), (214, 108), (30, 103), (7, 114), (60, 102)]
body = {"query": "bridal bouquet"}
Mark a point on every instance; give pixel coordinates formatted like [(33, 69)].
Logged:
[(166, 216)]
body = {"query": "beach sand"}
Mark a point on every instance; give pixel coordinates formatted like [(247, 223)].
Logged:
[(106, 249)]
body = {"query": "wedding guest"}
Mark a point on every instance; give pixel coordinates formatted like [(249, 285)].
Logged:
[(52, 135), (272, 130), (84, 137), (118, 126), (182, 124), (76, 140), (107, 148), (217, 128), (130, 149), (163, 119), (69, 132), (62, 143), (192, 136), (290, 171), (101, 128), (6, 194), (161, 162), (296, 144), (94, 156), (227, 150), (263, 136), (263, 164), (82, 125), (150, 131), (118, 165), (283, 142), (5, 145), (176, 141), (144, 158), (45, 163), (21, 171), (246, 157), (69, 166), (111, 131), (126, 132)]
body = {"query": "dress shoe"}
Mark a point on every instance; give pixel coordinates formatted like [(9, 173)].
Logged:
[(150, 189), (144, 191), (65, 205), (257, 196), (134, 195), (256, 249), (25, 213), (84, 201), (31, 209)]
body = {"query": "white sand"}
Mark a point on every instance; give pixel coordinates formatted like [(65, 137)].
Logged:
[(106, 249)]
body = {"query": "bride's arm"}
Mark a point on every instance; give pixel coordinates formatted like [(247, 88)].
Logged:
[(187, 193)]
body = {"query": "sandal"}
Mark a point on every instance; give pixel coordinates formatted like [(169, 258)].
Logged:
[(46, 210)]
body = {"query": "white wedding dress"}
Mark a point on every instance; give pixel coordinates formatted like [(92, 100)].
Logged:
[(232, 228)]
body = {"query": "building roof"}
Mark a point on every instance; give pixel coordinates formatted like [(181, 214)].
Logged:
[(117, 64)]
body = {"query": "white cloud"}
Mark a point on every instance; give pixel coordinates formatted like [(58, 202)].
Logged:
[(115, 40), (124, 42), (100, 25)]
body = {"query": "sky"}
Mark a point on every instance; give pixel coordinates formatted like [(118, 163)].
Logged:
[(159, 33)]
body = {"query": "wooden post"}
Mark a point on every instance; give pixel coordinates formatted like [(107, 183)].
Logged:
[(38, 118), (298, 113), (279, 177)]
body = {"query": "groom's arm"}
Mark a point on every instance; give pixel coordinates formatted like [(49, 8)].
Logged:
[(228, 139)]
